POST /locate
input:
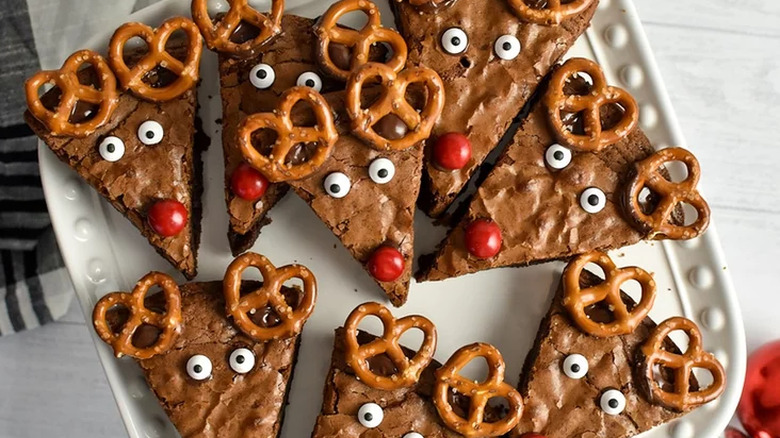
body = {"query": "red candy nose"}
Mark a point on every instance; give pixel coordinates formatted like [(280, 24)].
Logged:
[(167, 217), (483, 239), (386, 264), (247, 183), (759, 407), (734, 433), (452, 151)]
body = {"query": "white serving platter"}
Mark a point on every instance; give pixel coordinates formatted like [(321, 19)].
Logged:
[(104, 252)]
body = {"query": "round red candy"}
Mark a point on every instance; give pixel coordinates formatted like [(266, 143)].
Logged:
[(247, 183), (452, 151), (167, 217), (483, 238), (759, 407), (734, 433), (386, 264)]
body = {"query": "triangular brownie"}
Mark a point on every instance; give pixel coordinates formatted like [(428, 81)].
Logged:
[(491, 61), (544, 201), (141, 154), (577, 384)]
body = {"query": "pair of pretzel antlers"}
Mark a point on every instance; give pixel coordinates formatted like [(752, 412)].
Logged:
[(448, 377), (104, 93), (238, 306)]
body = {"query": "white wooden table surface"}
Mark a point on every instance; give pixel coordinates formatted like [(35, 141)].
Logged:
[(720, 60)]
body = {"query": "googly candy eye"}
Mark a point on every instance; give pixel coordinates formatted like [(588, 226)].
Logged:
[(337, 185), (507, 47), (199, 367), (242, 360), (575, 366), (262, 76), (454, 41), (150, 133), (593, 200), (370, 415), (612, 402), (413, 435), (557, 157), (381, 170), (112, 148), (311, 80)]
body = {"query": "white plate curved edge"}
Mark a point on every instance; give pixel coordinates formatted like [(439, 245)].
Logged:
[(111, 255)]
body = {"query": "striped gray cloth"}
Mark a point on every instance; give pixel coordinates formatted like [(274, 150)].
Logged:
[(34, 286)]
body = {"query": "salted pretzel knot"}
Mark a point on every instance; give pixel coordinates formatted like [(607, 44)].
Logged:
[(393, 100), (409, 370), (218, 33), (559, 103), (132, 78), (358, 41), (448, 379), (668, 195), (66, 79), (680, 397), (170, 322), (553, 13), (269, 295), (577, 300), (275, 166)]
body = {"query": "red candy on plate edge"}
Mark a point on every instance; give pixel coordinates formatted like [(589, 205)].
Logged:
[(759, 407)]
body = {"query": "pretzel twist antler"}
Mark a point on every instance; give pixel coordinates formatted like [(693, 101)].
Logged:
[(359, 41), (269, 295), (553, 13), (218, 33), (558, 103), (409, 370), (652, 353), (393, 101), (105, 95), (576, 300), (169, 322), (158, 55), (275, 166), (448, 378), (669, 195)]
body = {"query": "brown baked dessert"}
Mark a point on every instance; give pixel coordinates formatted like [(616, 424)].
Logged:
[(600, 366), (560, 190), (219, 356), (136, 146), (491, 55)]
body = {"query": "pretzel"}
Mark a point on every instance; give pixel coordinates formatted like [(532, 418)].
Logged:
[(576, 300), (323, 134), (359, 41), (595, 138), (448, 378), (652, 353), (269, 295), (552, 14), (158, 55), (409, 370), (217, 34), (392, 100), (170, 322), (670, 194), (67, 80)]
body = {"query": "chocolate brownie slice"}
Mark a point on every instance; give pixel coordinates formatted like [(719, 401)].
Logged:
[(570, 376), (132, 173), (491, 63)]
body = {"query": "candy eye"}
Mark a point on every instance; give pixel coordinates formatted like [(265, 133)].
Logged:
[(454, 40), (262, 76), (337, 185), (507, 47), (311, 80), (557, 157), (199, 367), (381, 170), (242, 360), (112, 148), (413, 435), (593, 200), (150, 132), (612, 402), (370, 415), (575, 366)]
